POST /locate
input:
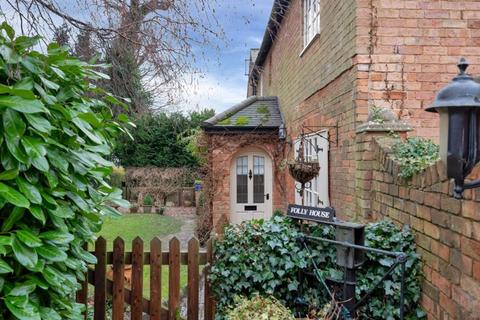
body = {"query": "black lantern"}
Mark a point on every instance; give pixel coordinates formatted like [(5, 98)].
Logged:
[(458, 105)]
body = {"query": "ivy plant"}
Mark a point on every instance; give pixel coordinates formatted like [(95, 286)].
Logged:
[(414, 155), (259, 256), (266, 258), (56, 130)]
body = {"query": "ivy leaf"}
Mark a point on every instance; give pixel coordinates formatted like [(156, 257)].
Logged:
[(13, 196)]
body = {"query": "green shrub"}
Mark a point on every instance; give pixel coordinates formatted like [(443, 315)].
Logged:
[(259, 308), (117, 177), (415, 155), (258, 257), (265, 257), (55, 136), (148, 200), (385, 301)]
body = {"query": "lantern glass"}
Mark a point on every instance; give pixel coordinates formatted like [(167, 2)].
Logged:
[(444, 120)]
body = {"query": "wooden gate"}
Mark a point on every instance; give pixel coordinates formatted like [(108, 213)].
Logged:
[(113, 284)]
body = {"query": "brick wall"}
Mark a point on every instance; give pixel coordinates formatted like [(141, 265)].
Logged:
[(447, 231), (328, 108), (222, 148), (407, 50), (294, 77), (316, 88)]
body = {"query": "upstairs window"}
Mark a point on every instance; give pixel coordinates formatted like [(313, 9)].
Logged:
[(311, 20)]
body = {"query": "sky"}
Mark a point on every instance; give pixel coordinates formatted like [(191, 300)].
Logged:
[(223, 82)]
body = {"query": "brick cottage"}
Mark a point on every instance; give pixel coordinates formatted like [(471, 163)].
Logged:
[(322, 68)]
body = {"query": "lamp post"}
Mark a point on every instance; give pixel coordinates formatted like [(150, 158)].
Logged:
[(458, 105)]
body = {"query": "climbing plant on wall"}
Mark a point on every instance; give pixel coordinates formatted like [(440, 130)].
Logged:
[(55, 133)]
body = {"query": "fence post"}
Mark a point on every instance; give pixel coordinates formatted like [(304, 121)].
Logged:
[(137, 279), (193, 291), (100, 279), (209, 303), (155, 279), (174, 278), (118, 279)]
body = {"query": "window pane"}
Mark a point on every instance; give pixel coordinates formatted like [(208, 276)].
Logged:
[(242, 180), (258, 179)]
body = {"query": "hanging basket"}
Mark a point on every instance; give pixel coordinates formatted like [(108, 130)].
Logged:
[(303, 172)]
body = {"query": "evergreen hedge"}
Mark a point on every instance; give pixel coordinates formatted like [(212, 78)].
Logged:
[(55, 133)]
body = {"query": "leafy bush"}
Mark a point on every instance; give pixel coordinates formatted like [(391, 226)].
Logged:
[(264, 257), (385, 301), (148, 200), (258, 257), (117, 177), (415, 155), (259, 308), (161, 140), (55, 133)]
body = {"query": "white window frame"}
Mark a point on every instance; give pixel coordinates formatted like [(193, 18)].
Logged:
[(311, 20), (316, 195)]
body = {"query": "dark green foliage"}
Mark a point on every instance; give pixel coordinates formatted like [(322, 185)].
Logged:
[(264, 257), (259, 256), (160, 141), (148, 200), (126, 79), (414, 155), (383, 304), (53, 194)]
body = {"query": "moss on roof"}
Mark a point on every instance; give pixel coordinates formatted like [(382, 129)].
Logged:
[(242, 121)]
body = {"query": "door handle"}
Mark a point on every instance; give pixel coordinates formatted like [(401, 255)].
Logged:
[(267, 196), (250, 174)]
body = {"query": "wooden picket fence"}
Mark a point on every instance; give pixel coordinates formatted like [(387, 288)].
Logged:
[(122, 295)]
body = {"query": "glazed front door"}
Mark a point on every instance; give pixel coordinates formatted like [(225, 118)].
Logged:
[(251, 187)]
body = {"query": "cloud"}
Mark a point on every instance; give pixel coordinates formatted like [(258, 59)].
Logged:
[(254, 40), (214, 91)]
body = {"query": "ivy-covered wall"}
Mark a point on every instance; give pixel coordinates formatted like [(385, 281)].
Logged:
[(447, 231)]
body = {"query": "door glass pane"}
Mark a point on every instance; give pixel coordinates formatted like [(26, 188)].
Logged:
[(242, 180), (258, 179)]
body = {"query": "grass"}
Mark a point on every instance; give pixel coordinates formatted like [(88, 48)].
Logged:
[(146, 226)]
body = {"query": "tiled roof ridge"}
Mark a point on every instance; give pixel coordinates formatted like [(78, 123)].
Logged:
[(236, 108)]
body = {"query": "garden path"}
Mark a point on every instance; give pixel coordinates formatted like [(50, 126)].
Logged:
[(186, 232)]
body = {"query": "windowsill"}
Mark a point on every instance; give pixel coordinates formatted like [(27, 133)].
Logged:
[(309, 44)]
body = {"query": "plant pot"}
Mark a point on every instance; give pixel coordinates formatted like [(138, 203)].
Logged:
[(303, 172), (147, 209)]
